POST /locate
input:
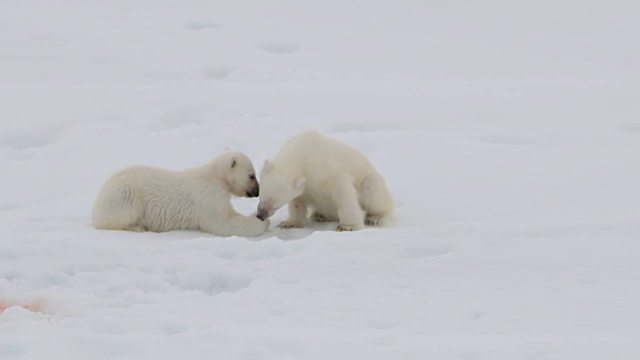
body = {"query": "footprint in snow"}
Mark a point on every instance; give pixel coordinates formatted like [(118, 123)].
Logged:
[(201, 25), (27, 140), (218, 72), (279, 47), (30, 139), (633, 128)]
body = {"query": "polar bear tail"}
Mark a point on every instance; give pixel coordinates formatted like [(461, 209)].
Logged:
[(376, 200)]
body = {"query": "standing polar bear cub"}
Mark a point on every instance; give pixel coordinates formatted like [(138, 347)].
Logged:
[(146, 198), (334, 179)]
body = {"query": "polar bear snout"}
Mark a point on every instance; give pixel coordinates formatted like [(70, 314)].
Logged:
[(265, 210), (262, 214), (254, 191)]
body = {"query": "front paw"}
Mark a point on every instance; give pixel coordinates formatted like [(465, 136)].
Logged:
[(343, 227), (290, 225), (373, 220)]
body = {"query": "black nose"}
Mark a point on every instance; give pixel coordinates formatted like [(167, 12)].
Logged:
[(261, 216), (253, 193)]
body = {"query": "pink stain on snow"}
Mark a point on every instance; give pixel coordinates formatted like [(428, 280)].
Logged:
[(36, 305)]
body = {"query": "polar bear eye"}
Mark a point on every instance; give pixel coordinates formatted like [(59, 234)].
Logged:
[(252, 177)]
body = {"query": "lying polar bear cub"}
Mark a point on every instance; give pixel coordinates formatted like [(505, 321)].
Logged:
[(146, 198), (335, 179)]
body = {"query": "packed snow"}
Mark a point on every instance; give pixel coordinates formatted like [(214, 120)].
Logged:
[(509, 133)]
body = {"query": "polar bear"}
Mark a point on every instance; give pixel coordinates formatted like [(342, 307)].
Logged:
[(146, 198), (334, 179)]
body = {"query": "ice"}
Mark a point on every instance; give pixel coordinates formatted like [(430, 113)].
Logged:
[(507, 131)]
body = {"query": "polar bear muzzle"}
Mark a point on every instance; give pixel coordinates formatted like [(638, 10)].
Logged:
[(265, 210), (254, 192)]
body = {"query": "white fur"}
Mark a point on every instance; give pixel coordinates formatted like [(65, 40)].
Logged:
[(141, 198), (334, 179)]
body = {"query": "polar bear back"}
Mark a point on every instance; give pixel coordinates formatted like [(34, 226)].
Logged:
[(319, 157), (334, 179), (162, 199), (324, 162)]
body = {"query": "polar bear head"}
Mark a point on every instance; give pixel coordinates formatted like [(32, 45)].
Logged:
[(239, 174), (278, 189)]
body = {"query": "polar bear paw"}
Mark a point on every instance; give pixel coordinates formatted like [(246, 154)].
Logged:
[(266, 223), (344, 227), (373, 220), (289, 225), (317, 217)]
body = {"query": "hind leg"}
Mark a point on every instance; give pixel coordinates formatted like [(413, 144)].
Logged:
[(345, 198), (322, 218), (118, 208), (317, 217), (376, 200)]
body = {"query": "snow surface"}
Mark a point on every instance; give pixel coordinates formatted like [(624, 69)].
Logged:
[(509, 132)]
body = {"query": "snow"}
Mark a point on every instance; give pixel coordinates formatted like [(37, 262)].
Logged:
[(509, 133)]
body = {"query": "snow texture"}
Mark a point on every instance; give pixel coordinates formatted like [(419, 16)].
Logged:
[(508, 132)]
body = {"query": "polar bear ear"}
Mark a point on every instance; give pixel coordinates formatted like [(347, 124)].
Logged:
[(267, 165), (298, 183), (232, 163)]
